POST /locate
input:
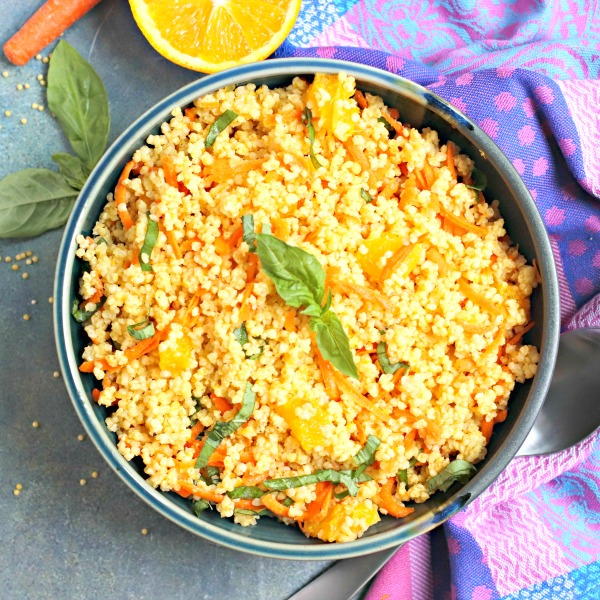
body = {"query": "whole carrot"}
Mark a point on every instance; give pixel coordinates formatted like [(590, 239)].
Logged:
[(44, 26)]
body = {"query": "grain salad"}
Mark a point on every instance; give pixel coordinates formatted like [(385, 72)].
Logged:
[(300, 307)]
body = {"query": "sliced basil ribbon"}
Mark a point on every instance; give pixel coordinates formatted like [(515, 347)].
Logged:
[(81, 315), (224, 429), (220, 124), (142, 330), (149, 243)]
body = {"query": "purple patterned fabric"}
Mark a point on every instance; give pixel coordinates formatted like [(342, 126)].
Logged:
[(535, 533)]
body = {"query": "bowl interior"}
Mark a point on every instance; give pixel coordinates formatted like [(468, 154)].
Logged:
[(419, 108)]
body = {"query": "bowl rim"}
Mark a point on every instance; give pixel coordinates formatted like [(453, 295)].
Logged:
[(119, 151)]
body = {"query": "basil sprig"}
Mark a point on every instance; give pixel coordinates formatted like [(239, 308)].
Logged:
[(457, 470), (224, 429), (384, 361), (310, 128), (33, 201), (402, 474), (81, 315), (142, 330), (149, 243), (220, 124), (299, 280)]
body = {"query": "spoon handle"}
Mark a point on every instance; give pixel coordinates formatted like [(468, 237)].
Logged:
[(344, 578)]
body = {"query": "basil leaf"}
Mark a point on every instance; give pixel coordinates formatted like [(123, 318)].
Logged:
[(72, 169), (342, 495), (101, 240), (78, 99), (384, 361), (249, 236), (388, 126), (81, 315), (366, 455), (224, 429), (457, 470), (333, 343), (478, 180), (307, 120), (149, 243), (287, 501), (247, 492), (199, 506), (298, 276), (33, 201), (142, 330), (221, 123), (364, 194)]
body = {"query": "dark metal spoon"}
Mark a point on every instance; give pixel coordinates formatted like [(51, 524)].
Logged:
[(571, 412)]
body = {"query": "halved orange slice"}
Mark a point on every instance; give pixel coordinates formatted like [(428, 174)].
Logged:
[(212, 35)]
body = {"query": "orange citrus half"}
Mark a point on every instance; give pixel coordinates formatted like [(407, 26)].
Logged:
[(212, 35)]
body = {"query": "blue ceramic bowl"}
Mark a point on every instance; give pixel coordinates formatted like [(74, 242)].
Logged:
[(420, 108)]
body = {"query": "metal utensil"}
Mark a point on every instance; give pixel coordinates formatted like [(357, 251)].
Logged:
[(570, 413)]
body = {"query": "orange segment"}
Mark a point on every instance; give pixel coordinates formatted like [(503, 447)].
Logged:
[(212, 35)]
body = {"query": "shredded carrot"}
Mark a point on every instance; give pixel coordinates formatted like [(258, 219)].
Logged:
[(389, 503), (356, 397), (435, 256), (222, 248), (169, 170), (403, 169), (275, 506), (234, 239), (487, 428), (496, 344), (395, 260), (357, 155), (317, 510), (462, 223), (420, 180), (185, 490), (360, 98), (409, 438), (96, 394), (366, 294), (121, 196), (394, 113), (87, 366), (428, 175), (326, 371), (501, 416), (515, 339), (479, 299), (50, 20), (221, 404), (216, 458), (195, 431), (173, 242), (97, 296), (450, 159), (248, 505), (191, 113), (290, 320)]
